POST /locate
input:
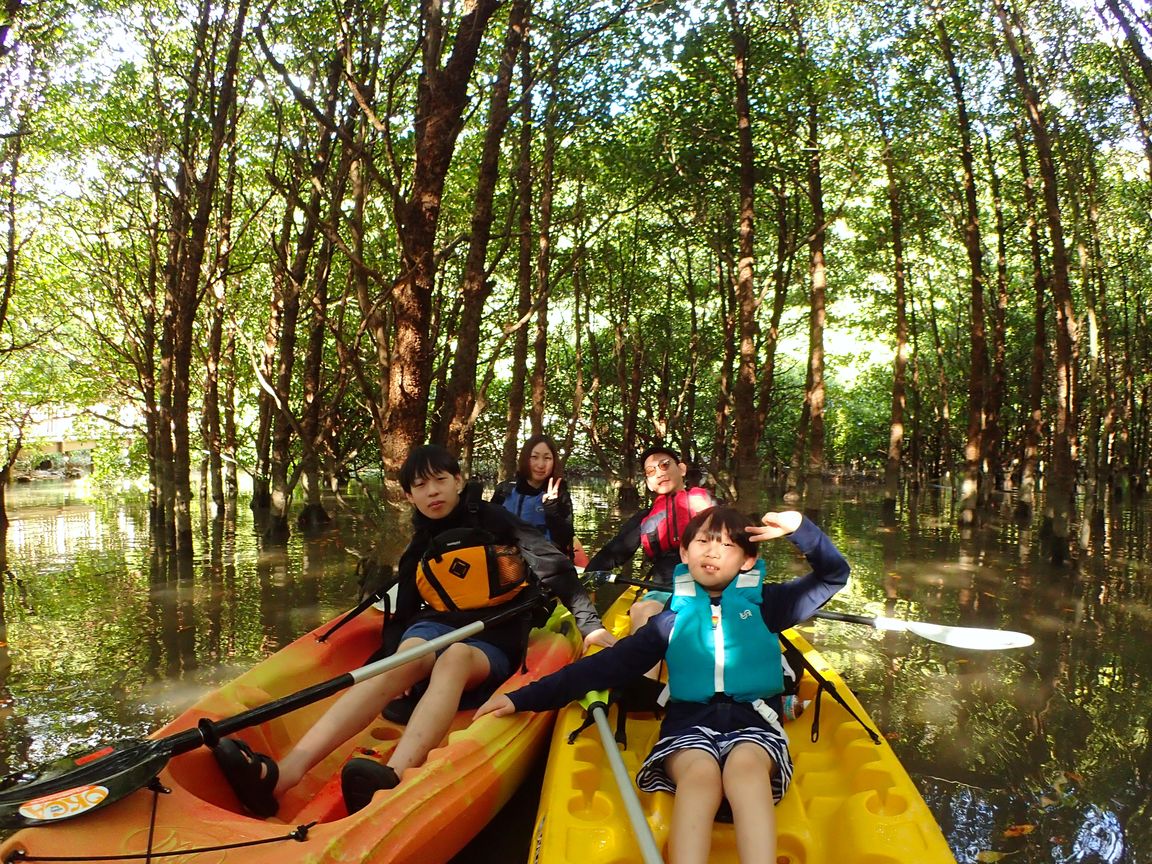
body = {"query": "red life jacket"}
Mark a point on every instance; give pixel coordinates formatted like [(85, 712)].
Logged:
[(660, 529)]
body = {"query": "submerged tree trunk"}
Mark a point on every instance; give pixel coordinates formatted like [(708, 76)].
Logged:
[(812, 417), (977, 334), (900, 364), (994, 433), (1059, 498), (192, 210), (218, 285), (1034, 422), (781, 278)]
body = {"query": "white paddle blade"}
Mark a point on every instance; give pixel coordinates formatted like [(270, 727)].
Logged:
[(970, 638)]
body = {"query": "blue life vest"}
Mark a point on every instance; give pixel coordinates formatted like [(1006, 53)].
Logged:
[(530, 508), (736, 654)]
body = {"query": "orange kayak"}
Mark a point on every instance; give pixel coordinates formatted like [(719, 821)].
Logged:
[(431, 816)]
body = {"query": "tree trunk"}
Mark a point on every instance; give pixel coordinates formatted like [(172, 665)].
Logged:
[(899, 371), (442, 96), (547, 170), (1059, 498), (523, 275), (993, 459), (1133, 40), (814, 473), (228, 453), (943, 456), (192, 209), (746, 468), (781, 278), (313, 428), (456, 418), (978, 358), (728, 315), (579, 278), (1034, 424)]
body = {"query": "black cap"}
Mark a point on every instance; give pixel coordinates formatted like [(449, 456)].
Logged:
[(658, 447)]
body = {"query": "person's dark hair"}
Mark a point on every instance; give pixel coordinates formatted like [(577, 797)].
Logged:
[(524, 463), (715, 521), (658, 447), (426, 460)]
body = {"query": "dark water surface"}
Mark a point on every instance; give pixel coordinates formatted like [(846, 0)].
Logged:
[(1035, 755)]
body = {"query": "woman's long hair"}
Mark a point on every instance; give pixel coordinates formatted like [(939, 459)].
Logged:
[(524, 463)]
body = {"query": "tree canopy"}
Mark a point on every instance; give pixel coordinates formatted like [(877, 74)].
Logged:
[(790, 237)]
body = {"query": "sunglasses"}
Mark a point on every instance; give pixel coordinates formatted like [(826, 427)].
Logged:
[(660, 467)]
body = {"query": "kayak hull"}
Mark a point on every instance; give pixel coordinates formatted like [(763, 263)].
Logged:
[(435, 811), (851, 800)]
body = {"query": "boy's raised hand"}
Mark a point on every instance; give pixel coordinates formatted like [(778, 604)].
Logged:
[(776, 525), (498, 706)]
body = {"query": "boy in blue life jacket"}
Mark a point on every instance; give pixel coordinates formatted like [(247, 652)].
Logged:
[(433, 598), (658, 529), (721, 735)]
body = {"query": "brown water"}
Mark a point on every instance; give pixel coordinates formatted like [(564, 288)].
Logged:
[(1035, 755)]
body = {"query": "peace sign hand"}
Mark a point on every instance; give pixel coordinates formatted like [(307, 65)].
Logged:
[(553, 490)]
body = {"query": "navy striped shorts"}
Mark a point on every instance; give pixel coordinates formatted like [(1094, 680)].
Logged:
[(653, 778)]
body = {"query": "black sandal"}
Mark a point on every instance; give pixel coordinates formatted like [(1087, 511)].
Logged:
[(251, 775), (362, 778)]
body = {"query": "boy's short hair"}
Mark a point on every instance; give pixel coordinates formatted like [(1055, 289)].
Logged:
[(715, 522), (426, 460), (658, 447)]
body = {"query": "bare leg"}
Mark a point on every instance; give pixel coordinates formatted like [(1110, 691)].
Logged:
[(459, 668), (698, 794), (748, 787), (351, 713), (639, 614)]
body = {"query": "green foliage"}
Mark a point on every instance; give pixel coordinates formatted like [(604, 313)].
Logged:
[(638, 103)]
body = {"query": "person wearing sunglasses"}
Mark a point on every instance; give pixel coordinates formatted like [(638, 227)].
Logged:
[(657, 529)]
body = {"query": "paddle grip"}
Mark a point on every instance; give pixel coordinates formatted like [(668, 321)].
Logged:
[(844, 616)]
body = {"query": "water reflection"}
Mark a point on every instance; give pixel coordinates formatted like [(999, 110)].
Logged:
[(1041, 755)]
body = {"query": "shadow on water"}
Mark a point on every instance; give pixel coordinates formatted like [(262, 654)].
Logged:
[(1040, 755)]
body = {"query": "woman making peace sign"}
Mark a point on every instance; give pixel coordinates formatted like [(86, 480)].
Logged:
[(540, 496)]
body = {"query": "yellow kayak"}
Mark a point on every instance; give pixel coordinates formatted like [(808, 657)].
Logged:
[(850, 802)]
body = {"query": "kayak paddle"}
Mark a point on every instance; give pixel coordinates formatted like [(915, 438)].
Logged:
[(971, 638), (597, 702), (86, 780)]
